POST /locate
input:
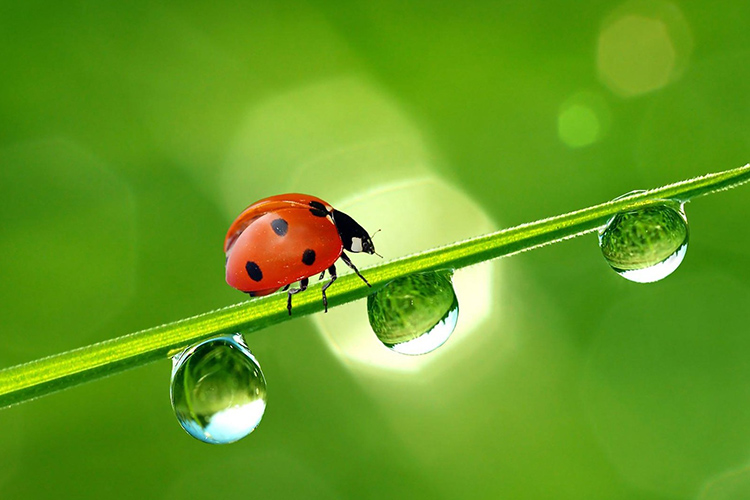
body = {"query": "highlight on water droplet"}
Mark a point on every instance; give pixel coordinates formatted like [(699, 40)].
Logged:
[(414, 314), (218, 390), (647, 244)]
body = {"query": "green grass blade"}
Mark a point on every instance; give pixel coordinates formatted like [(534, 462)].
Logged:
[(36, 378)]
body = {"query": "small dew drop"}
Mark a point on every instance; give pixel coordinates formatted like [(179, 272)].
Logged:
[(647, 244), (415, 314), (218, 390)]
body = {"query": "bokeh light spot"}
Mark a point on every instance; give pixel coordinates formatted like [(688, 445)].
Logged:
[(437, 214), (584, 119), (578, 125), (635, 55), (327, 138), (642, 48)]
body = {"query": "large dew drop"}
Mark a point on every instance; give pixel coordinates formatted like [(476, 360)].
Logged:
[(415, 314), (647, 244), (218, 390)]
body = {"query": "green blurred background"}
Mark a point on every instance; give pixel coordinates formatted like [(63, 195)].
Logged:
[(132, 133)]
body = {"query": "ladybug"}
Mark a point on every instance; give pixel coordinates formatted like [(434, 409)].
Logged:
[(287, 238)]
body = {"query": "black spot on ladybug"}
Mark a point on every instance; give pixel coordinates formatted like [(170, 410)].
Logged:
[(308, 257), (318, 209), (280, 226), (253, 270)]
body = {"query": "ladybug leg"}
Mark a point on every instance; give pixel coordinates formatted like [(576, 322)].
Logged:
[(332, 272), (302, 287), (349, 263), (321, 275), (285, 288)]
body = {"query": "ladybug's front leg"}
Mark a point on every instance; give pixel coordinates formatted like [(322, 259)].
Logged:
[(302, 287), (349, 263)]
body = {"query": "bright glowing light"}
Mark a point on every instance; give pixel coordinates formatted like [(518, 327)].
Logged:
[(414, 215), (343, 136)]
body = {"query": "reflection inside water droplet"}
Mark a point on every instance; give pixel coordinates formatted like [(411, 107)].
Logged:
[(415, 314), (647, 244), (218, 391)]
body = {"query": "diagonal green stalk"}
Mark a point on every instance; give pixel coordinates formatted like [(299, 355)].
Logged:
[(43, 376)]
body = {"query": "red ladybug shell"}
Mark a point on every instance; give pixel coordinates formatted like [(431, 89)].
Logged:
[(280, 240), (266, 205)]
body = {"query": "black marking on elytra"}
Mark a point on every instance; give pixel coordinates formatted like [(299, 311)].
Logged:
[(318, 209), (280, 226), (308, 257), (253, 270)]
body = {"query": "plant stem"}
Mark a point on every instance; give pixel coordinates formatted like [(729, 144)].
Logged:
[(36, 378)]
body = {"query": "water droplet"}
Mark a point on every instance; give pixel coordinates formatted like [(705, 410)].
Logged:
[(646, 244), (415, 314), (218, 390)]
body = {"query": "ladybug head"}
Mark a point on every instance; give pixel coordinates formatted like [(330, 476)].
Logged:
[(353, 236)]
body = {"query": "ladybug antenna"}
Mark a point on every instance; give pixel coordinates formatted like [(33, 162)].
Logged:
[(373, 250)]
